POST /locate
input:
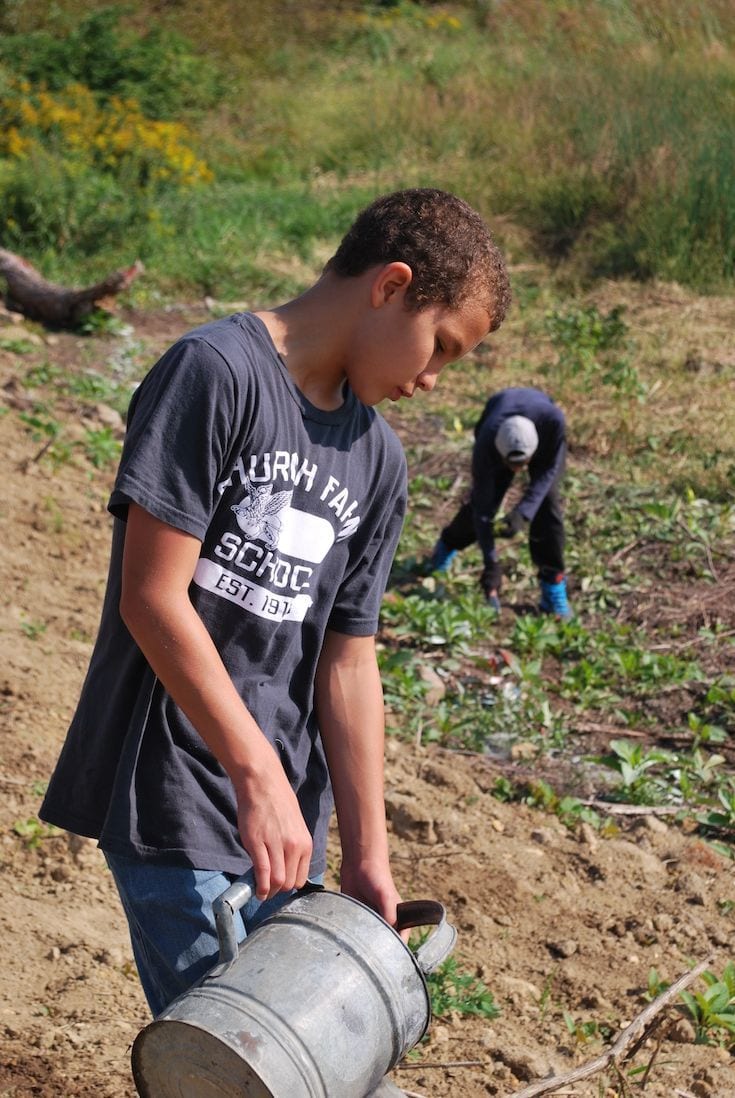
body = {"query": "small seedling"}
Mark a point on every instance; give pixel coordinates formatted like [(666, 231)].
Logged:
[(723, 820), (453, 990), (101, 322), (16, 345), (32, 831), (713, 1010), (584, 1032), (703, 732), (101, 446), (33, 629), (655, 987), (632, 762)]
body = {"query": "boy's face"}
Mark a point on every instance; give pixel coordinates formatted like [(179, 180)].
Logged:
[(399, 350)]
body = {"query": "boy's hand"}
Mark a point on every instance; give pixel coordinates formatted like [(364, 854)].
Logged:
[(273, 832), (510, 525), (372, 885), (491, 578)]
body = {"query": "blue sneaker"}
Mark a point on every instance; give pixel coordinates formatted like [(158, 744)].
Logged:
[(441, 557), (554, 598)]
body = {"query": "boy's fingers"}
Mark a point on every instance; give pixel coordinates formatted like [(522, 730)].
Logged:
[(298, 860), (302, 875), (279, 847), (262, 871), (279, 874)]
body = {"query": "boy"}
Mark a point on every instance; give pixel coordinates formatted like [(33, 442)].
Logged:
[(518, 429), (258, 504)]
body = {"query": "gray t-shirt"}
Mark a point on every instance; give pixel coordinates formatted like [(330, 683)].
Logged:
[(299, 513)]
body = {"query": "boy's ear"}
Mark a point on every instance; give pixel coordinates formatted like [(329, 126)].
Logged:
[(390, 280)]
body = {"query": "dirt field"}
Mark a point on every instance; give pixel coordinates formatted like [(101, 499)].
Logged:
[(552, 920)]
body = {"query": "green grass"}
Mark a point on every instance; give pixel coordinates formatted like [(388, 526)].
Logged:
[(594, 135)]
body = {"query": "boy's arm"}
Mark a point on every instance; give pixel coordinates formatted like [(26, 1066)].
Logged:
[(158, 565), (490, 481), (543, 474), (349, 702)]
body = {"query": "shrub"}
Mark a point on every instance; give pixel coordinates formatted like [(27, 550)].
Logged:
[(160, 68)]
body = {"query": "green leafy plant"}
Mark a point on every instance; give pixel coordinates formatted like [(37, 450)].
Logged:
[(713, 1010), (33, 831), (633, 763), (570, 811), (454, 990), (101, 446), (583, 1032), (704, 732), (44, 427), (17, 345), (428, 617), (696, 773), (33, 629), (591, 348), (41, 424), (655, 985), (723, 818)]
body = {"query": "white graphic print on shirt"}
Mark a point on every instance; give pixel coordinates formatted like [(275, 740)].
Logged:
[(270, 581)]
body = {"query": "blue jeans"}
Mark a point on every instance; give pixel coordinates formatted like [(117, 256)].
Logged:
[(172, 930)]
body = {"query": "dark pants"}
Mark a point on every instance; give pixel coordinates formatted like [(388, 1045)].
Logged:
[(545, 535)]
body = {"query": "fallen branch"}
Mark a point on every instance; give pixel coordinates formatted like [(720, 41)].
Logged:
[(631, 1033), (626, 549), (30, 293), (607, 729), (440, 1064), (7, 779), (614, 809)]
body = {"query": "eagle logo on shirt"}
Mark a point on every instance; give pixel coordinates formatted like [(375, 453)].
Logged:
[(259, 515)]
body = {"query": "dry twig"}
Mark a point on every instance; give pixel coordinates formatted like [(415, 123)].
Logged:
[(614, 1055)]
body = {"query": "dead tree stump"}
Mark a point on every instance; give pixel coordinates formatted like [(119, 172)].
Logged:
[(28, 292)]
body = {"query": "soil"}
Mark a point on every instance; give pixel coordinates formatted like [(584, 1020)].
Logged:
[(562, 925)]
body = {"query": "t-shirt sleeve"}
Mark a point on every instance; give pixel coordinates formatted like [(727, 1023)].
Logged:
[(356, 609), (180, 426)]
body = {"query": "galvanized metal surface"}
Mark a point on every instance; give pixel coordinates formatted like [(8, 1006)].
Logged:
[(321, 1001)]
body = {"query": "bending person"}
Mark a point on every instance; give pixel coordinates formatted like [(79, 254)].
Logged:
[(518, 429)]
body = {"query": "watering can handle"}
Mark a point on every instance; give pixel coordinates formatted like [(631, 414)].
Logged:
[(224, 908), (438, 945), (429, 955)]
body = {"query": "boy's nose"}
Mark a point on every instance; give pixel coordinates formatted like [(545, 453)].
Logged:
[(426, 382)]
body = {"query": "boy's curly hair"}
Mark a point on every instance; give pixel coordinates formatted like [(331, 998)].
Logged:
[(444, 241)]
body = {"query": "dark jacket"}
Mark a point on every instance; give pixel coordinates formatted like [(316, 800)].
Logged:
[(491, 477)]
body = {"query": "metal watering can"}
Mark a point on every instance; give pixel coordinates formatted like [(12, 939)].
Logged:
[(320, 1001)]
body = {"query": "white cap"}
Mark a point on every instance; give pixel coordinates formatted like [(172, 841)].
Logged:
[(517, 438)]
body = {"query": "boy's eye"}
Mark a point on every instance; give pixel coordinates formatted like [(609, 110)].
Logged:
[(439, 346)]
